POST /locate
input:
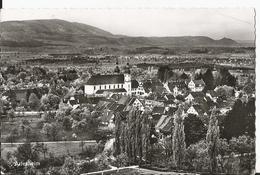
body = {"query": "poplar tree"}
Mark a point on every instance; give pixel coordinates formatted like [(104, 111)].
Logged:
[(132, 135), (145, 136), (212, 140), (178, 139)]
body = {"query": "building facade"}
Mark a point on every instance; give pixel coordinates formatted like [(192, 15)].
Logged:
[(196, 85), (112, 83)]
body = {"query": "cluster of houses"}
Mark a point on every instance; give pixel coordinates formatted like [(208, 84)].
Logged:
[(118, 93)]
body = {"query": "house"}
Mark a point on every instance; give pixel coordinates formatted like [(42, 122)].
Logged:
[(197, 110), (130, 102), (71, 101), (196, 85), (198, 96), (177, 87), (158, 110), (150, 103), (111, 84), (137, 88)]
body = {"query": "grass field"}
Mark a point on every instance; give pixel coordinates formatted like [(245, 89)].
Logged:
[(56, 148), (8, 126)]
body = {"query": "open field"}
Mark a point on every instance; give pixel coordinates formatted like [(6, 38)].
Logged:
[(60, 148), (8, 126)]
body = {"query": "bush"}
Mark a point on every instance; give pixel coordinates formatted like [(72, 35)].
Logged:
[(197, 156), (88, 166), (90, 152), (242, 144), (122, 160), (53, 171)]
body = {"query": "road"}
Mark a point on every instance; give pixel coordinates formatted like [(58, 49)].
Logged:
[(144, 171)]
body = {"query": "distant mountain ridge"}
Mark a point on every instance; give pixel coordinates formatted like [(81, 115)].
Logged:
[(36, 33)]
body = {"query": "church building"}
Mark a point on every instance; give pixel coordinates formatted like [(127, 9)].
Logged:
[(111, 83)]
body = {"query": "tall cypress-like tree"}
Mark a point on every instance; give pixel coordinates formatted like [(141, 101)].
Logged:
[(212, 140), (146, 135), (132, 135), (117, 134), (208, 79), (178, 138)]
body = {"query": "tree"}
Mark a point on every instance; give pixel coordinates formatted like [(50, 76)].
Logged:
[(164, 73), (198, 76), (29, 168), (146, 135), (23, 103), (250, 117), (70, 167), (51, 130), (178, 138), (197, 155), (53, 171), (26, 152), (34, 101), (81, 144), (194, 129), (227, 78), (67, 124), (212, 140), (122, 160), (24, 124), (41, 148), (50, 101), (184, 76), (132, 135), (208, 79), (21, 75), (242, 144), (10, 114), (235, 122), (28, 133)]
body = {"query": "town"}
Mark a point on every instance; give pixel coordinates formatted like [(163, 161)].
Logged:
[(103, 112)]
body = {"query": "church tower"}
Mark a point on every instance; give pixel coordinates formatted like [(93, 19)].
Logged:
[(117, 70), (127, 77)]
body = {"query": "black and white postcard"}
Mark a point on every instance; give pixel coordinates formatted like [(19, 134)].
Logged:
[(128, 91)]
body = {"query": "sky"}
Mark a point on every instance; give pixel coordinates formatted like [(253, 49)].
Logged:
[(234, 23)]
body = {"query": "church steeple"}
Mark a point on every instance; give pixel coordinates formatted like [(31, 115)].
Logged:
[(127, 69), (117, 70)]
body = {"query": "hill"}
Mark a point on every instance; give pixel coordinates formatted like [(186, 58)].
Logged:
[(54, 32)]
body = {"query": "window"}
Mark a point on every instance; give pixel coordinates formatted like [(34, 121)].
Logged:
[(114, 86), (94, 87), (121, 86), (105, 86), (100, 87), (108, 86), (118, 86)]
